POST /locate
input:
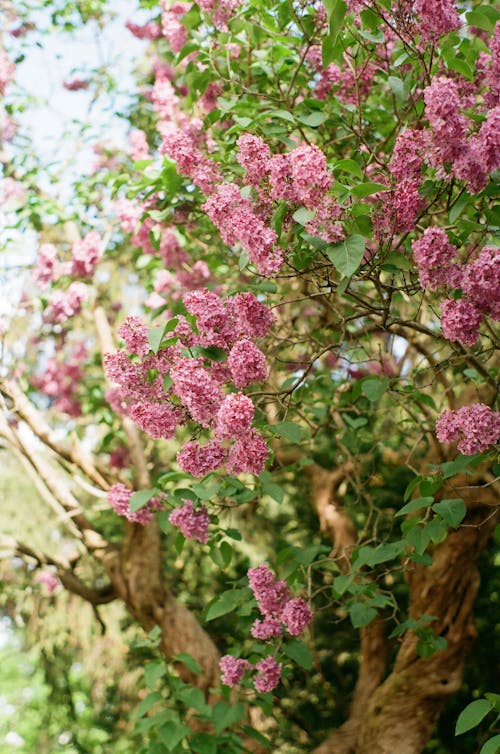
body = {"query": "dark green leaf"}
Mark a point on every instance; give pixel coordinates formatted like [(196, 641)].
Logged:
[(172, 733), (223, 715), (415, 505), (361, 614), (452, 511), (298, 652)]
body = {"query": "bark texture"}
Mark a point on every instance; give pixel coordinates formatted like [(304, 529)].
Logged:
[(399, 715)]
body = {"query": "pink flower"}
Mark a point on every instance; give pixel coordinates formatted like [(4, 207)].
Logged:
[(48, 579), (63, 305), (135, 335), (247, 363), (268, 676), (406, 162), (198, 460), (248, 454), (268, 628), (46, 269), (233, 669), (234, 417), (433, 254), (158, 420), (460, 321), (119, 498), (198, 391), (310, 175), (173, 31), (86, 254), (192, 523), (254, 155), (149, 30), (138, 141), (271, 595), (251, 318), (296, 616), (436, 17), (477, 426), (481, 281)]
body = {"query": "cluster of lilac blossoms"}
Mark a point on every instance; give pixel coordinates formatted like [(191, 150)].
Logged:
[(479, 281), (119, 499), (280, 612), (194, 391), (476, 427)]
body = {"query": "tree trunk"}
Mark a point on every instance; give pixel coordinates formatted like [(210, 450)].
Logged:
[(402, 712)]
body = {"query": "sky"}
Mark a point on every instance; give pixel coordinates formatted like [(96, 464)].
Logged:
[(56, 118)]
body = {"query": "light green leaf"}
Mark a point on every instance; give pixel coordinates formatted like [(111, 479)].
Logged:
[(374, 388), (155, 335), (472, 715), (415, 505), (492, 746), (314, 119), (153, 672), (349, 166), (289, 430), (347, 255), (303, 215), (140, 498)]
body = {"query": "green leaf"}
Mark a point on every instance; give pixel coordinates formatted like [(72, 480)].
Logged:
[(372, 556), (349, 166), (398, 87), (336, 10), (452, 511), (193, 697), (153, 671), (279, 216), (361, 614), (314, 119), (419, 538), (347, 255), (213, 353), (188, 661), (396, 259), (298, 652), (223, 715), (226, 603), (342, 583), (366, 189), (492, 746), (415, 505), (140, 498), (484, 17), (282, 114), (289, 430), (155, 335), (203, 743), (303, 215), (374, 388), (472, 715), (172, 733), (147, 703)]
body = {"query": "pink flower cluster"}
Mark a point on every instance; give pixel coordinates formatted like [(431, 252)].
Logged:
[(434, 255), (196, 382), (47, 268), (276, 605), (173, 31), (65, 304), (476, 427), (85, 255), (7, 71), (139, 149), (436, 18), (60, 380), (279, 609), (237, 222), (220, 11), (192, 522), (350, 83), (119, 498), (149, 30)]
